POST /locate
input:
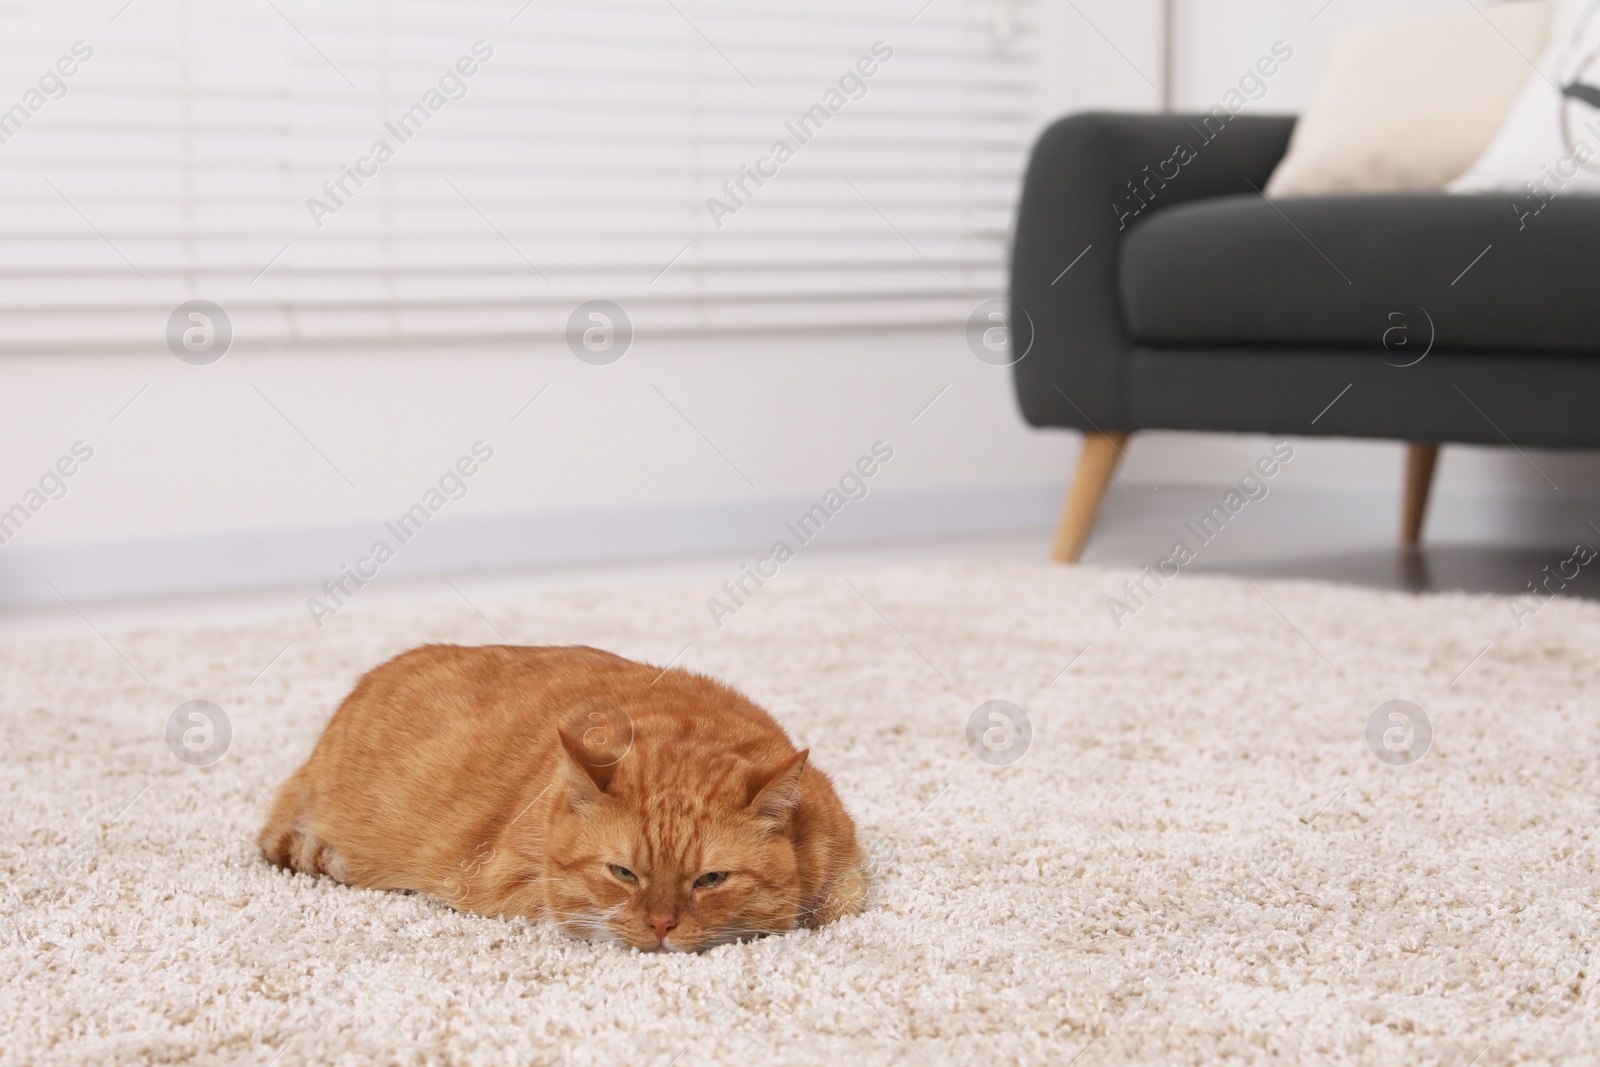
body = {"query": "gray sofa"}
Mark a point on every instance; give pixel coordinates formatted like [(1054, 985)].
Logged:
[(1194, 303)]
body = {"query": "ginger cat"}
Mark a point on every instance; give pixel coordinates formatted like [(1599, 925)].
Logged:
[(622, 802)]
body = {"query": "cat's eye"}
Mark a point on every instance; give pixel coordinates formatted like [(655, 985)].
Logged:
[(706, 881), (622, 874)]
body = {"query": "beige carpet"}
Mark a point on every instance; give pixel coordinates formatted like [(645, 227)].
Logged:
[(1199, 860)]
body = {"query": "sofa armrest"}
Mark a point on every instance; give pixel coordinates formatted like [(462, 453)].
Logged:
[(1090, 179)]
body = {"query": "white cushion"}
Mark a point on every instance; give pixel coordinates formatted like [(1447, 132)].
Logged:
[(1549, 136), (1407, 106)]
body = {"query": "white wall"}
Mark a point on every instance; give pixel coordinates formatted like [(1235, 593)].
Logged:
[(207, 447), (201, 483), (1109, 54), (1218, 39)]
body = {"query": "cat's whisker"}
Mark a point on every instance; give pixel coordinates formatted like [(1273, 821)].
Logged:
[(794, 916), (593, 925)]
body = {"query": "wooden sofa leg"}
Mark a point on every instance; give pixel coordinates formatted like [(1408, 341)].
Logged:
[(1420, 462), (1096, 464)]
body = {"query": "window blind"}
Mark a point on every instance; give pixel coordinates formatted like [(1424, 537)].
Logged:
[(423, 171)]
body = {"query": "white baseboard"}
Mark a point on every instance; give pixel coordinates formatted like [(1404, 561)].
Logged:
[(225, 560), (1134, 523)]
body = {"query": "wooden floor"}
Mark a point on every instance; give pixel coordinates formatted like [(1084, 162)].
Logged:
[(1322, 537)]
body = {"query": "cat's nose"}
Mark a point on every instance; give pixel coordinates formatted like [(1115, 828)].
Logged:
[(663, 923)]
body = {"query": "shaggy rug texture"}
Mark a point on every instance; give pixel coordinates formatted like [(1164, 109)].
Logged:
[(1200, 858)]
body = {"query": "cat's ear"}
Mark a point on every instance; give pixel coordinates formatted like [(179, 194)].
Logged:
[(775, 791), (586, 781)]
